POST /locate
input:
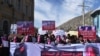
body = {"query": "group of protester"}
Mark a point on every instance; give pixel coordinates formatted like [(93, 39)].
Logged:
[(52, 39), (46, 38)]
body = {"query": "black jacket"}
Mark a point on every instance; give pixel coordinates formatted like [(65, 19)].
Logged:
[(0, 41)]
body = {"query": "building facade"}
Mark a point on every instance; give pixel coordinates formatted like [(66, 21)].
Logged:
[(12, 11), (96, 20)]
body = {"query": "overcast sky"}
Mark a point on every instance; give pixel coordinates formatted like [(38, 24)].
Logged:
[(60, 10)]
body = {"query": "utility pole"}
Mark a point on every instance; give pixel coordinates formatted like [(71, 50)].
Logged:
[(32, 11), (83, 11)]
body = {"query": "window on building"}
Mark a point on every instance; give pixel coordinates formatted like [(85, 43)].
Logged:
[(29, 11), (26, 9), (19, 4), (99, 21), (95, 21), (7, 1), (10, 1)]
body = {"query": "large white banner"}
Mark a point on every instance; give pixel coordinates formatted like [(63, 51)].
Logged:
[(34, 49)]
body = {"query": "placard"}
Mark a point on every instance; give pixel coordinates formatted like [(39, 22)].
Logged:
[(88, 32), (25, 27), (48, 25)]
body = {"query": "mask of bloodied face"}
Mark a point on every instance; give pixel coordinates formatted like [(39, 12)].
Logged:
[(90, 51)]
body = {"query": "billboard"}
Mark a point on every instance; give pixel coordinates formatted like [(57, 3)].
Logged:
[(25, 27), (88, 32), (48, 25)]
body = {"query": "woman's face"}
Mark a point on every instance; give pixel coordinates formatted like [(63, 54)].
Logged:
[(90, 52)]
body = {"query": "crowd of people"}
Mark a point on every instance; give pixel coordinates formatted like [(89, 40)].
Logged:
[(46, 39), (52, 39)]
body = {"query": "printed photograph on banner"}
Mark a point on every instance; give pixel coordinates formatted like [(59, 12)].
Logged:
[(92, 50), (21, 50)]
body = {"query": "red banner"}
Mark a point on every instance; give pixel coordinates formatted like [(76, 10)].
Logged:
[(62, 53), (48, 25), (88, 32), (25, 27)]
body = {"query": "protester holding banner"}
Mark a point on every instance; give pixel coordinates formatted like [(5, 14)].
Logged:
[(48, 39), (97, 39), (68, 35), (80, 39), (52, 39), (17, 39), (73, 39), (5, 45), (34, 38), (42, 39)]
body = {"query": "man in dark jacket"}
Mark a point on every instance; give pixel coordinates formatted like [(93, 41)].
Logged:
[(0, 47), (4, 49), (80, 40)]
